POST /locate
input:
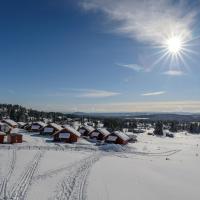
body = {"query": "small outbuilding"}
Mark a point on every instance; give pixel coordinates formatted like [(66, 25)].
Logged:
[(67, 134), (28, 126), (99, 134), (10, 123), (51, 129), (21, 125), (86, 130), (132, 136), (117, 137), (37, 126), (14, 138)]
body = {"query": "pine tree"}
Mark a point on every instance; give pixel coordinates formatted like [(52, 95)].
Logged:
[(159, 128)]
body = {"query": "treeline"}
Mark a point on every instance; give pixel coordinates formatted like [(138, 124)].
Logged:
[(20, 113)]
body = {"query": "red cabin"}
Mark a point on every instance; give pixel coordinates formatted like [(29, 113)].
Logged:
[(37, 126), (99, 134), (117, 137), (2, 136), (15, 138), (86, 130), (67, 134), (51, 129)]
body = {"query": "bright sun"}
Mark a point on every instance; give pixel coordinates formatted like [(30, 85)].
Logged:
[(174, 45)]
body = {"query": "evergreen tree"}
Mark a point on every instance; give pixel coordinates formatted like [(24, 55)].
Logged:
[(159, 128)]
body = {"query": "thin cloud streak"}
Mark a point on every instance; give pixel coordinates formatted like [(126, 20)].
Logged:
[(97, 94), (83, 93), (154, 93), (134, 67), (174, 73)]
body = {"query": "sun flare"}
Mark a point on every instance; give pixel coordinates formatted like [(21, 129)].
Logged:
[(174, 45)]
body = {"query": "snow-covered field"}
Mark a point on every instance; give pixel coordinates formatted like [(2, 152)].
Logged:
[(154, 168)]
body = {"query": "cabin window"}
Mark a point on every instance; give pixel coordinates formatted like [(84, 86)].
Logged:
[(48, 130), (64, 135), (82, 131), (35, 127), (95, 134), (112, 138)]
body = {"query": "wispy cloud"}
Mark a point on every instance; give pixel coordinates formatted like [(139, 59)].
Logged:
[(154, 93), (174, 73), (147, 20), (81, 92), (88, 93), (134, 67)]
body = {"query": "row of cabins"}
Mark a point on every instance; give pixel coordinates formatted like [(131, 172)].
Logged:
[(69, 134), (66, 133)]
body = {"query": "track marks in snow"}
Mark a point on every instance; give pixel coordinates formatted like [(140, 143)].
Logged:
[(3, 186), (19, 190), (73, 186)]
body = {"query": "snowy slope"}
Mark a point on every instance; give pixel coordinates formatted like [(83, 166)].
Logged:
[(154, 168)]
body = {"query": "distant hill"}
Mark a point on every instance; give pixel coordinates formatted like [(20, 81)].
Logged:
[(149, 116)]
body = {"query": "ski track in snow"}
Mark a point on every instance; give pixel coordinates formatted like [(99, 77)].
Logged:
[(20, 188), (73, 186), (126, 150), (3, 186)]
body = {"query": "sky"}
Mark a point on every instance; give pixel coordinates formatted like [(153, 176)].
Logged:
[(101, 55)]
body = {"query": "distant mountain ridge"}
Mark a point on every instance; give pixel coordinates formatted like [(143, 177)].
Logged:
[(151, 116)]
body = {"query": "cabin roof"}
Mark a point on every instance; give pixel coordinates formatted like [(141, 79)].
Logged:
[(56, 126), (104, 131), (121, 135), (70, 129), (21, 123), (40, 123), (10, 122), (88, 128)]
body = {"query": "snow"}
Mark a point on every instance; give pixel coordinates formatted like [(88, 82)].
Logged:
[(154, 168), (41, 124), (56, 126), (21, 123), (89, 128), (104, 131)]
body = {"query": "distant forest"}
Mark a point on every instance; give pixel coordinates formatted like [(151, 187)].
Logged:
[(19, 113)]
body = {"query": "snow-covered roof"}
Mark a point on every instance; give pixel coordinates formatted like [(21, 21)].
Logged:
[(71, 130), (104, 131), (21, 123), (41, 124), (129, 133), (89, 128), (56, 126), (10, 122), (16, 131), (121, 135)]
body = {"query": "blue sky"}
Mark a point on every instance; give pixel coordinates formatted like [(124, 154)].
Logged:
[(100, 55)]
